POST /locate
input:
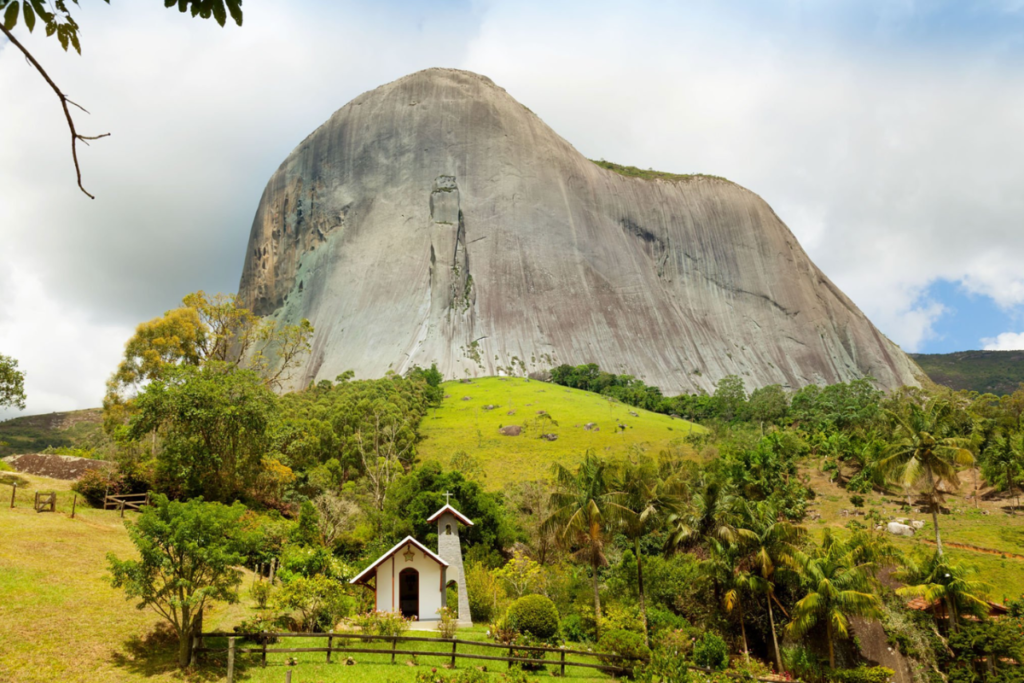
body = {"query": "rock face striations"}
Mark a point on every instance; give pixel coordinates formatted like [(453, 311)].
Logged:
[(437, 220)]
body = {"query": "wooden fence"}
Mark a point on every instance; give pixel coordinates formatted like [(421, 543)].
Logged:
[(45, 502), (336, 643), (131, 501)]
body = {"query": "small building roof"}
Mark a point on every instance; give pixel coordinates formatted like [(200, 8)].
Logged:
[(366, 573), (455, 513)]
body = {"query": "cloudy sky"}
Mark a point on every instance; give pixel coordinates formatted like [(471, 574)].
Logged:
[(888, 134)]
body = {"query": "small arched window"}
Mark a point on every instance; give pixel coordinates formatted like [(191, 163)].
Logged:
[(447, 529)]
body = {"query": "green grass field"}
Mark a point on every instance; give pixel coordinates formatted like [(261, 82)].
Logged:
[(464, 422)]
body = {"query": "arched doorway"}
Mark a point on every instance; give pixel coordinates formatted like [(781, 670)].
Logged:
[(452, 597), (409, 592)]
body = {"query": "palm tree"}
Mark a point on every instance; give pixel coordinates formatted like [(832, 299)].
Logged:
[(938, 580), (726, 568), (1007, 454), (926, 448), (769, 540), (837, 588), (712, 513), (580, 515), (638, 503)]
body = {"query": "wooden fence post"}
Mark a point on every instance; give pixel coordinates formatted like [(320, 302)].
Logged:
[(35, 503), (265, 639), (394, 644), (330, 641), (14, 489), (563, 664), (231, 660), (122, 509), (455, 642), (74, 504), (288, 676)]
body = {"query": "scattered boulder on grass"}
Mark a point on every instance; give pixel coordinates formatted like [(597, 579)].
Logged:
[(898, 529), (549, 437), (511, 412), (490, 406), (592, 427), (917, 524), (634, 414), (465, 398), (542, 412), (511, 430)]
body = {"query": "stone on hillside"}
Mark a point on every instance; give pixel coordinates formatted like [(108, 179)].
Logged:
[(490, 407), (511, 430), (592, 426), (917, 524), (511, 412), (899, 529), (549, 437)]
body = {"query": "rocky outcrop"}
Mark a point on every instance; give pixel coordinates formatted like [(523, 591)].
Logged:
[(437, 220)]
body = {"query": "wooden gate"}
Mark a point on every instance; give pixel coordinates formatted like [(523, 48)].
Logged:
[(131, 501), (46, 502)]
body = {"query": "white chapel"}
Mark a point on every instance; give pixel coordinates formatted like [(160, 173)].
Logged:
[(412, 580)]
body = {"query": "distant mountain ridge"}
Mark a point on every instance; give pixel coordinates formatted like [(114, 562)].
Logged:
[(993, 372)]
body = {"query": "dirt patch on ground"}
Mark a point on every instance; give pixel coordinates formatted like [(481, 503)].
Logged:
[(54, 466)]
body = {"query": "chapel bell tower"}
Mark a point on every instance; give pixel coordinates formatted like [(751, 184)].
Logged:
[(449, 549)]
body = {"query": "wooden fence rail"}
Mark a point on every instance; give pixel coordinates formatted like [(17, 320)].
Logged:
[(452, 655), (561, 662), (121, 501)]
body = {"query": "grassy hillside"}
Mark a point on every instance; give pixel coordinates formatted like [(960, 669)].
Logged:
[(61, 621), (986, 536), (996, 372), (33, 433), (472, 413)]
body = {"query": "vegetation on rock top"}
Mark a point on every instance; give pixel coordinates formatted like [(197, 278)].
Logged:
[(995, 372), (651, 174)]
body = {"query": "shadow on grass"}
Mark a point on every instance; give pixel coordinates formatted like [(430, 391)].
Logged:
[(157, 654), (13, 479)]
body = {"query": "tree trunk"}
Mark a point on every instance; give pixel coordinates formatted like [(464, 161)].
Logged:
[(597, 601), (775, 638), (831, 649), (743, 630), (184, 648), (1009, 484), (640, 587), (935, 512)]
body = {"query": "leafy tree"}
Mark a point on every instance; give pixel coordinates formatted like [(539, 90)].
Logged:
[(836, 587), (640, 506), (207, 329), (733, 578), (521, 574), (926, 447), (711, 513), (769, 543), (580, 516), (320, 600), (12, 384), (730, 397), (767, 405), (187, 558), (214, 420), (1004, 459), (940, 580), (57, 21)]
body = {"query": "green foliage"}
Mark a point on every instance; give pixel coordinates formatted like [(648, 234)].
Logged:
[(260, 592), (535, 615), (448, 624), (12, 380), (320, 601), (996, 643), (188, 554), (710, 651), (215, 421), (862, 674), (634, 172), (61, 24), (803, 663), (387, 624), (628, 645), (94, 484), (472, 675)]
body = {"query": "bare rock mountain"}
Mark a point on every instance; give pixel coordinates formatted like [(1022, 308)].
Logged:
[(436, 219)]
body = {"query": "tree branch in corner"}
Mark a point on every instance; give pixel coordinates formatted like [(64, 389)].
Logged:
[(64, 102)]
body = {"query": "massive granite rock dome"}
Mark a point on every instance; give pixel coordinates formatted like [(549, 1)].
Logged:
[(437, 220)]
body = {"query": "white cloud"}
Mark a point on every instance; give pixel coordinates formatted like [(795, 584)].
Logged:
[(1007, 341), (896, 163), (66, 356)]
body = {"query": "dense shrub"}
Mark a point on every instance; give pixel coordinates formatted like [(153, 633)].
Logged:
[(862, 674), (711, 652), (535, 615), (381, 623), (629, 648), (574, 630)]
